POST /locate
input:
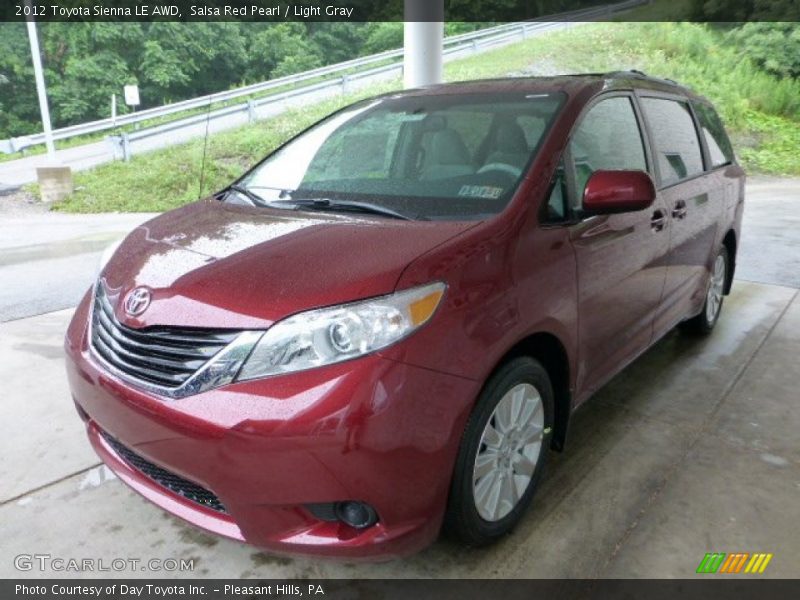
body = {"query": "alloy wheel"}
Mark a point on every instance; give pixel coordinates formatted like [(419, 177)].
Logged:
[(508, 452), (715, 289)]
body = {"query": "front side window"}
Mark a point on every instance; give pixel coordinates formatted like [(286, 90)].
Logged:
[(677, 146), (557, 208), (719, 146), (608, 138), (430, 157)]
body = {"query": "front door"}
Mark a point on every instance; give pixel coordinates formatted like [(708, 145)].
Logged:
[(621, 259)]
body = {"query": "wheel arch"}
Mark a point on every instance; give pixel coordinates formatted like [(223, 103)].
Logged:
[(729, 241), (552, 354)]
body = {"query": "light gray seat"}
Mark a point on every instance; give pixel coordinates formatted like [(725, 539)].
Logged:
[(510, 146), (447, 157)]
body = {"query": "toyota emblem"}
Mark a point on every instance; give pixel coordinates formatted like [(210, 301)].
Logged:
[(137, 301)]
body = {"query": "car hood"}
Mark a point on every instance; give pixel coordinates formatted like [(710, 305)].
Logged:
[(212, 264)]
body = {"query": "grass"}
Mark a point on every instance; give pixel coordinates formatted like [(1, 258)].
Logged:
[(762, 112), (169, 178)]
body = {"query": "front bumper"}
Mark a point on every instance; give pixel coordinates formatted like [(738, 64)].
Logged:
[(372, 429)]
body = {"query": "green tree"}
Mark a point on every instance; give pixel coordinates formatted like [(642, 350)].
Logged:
[(338, 42), (19, 110), (277, 49), (384, 36), (84, 64)]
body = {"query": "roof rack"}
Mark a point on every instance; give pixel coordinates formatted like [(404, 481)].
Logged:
[(641, 75)]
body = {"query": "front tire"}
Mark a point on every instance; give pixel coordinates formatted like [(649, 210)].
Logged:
[(715, 294), (503, 452)]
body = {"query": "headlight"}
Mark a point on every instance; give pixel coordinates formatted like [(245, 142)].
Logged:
[(330, 335), (107, 254)]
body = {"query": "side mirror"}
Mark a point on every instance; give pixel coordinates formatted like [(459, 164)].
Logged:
[(609, 192)]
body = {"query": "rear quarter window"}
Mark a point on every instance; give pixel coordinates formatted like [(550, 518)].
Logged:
[(719, 146)]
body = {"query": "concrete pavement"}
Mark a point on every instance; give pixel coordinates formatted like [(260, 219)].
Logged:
[(770, 247), (49, 260), (692, 449)]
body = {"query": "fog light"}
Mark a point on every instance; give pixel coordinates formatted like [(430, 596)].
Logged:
[(356, 514)]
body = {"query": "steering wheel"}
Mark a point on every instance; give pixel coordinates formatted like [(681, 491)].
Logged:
[(503, 167)]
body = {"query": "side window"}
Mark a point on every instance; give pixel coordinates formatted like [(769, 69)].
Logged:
[(675, 139), (719, 146), (608, 138)]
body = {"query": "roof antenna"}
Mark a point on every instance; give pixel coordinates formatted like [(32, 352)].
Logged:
[(205, 148)]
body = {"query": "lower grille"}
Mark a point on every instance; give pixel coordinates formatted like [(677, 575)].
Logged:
[(174, 483)]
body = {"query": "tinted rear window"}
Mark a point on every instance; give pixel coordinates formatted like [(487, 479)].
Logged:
[(677, 146), (719, 146)]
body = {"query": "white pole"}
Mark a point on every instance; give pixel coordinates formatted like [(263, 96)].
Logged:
[(114, 109), (422, 59), (40, 88)]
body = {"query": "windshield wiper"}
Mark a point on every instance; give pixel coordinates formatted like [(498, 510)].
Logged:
[(254, 198), (328, 204)]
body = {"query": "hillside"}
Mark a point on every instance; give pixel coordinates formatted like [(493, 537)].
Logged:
[(761, 109)]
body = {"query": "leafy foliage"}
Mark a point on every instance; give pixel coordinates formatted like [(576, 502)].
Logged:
[(87, 62), (722, 11), (775, 47)]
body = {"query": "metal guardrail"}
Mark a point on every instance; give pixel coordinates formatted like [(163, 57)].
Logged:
[(18, 143), (122, 146), (344, 78)]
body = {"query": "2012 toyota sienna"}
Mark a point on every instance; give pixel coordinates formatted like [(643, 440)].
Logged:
[(381, 330)]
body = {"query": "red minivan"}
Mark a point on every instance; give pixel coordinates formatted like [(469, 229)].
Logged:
[(382, 328)]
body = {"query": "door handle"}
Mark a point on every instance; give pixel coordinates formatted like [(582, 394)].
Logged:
[(658, 221), (679, 210)]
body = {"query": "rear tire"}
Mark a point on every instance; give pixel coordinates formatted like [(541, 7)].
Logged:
[(502, 455), (704, 323)]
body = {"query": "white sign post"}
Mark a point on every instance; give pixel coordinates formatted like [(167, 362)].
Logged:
[(132, 96), (132, 99)]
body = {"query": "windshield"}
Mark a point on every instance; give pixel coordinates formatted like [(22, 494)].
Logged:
[(452, 157)]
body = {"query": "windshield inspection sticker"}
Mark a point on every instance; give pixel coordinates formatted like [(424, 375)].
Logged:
[(480, 191)]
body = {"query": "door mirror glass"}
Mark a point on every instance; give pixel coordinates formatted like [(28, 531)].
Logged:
[(609, 192)]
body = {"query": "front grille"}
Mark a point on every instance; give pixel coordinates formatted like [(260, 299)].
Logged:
[(174, 483), (164, 356)]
